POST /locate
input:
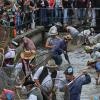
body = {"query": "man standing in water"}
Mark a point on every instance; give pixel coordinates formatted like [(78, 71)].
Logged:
[(74, 85)]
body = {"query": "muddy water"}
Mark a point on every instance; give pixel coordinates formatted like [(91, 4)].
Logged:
[(79, 60)]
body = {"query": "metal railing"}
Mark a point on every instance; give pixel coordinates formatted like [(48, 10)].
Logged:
[(48, 16)]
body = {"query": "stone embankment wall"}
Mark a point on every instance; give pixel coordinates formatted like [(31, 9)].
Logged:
[(37, 35)]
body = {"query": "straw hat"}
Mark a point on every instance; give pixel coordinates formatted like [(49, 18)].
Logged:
[(28, 54), (88, 49), (52, 64), (68, 37)]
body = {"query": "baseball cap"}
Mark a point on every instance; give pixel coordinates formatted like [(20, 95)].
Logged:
[(69, 71)]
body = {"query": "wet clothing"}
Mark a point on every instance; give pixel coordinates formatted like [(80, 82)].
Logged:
[(72, 30), (76, 87), (60, 47), (55, 51)]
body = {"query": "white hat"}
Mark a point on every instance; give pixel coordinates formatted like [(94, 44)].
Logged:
[(53, 32), (10, 54)]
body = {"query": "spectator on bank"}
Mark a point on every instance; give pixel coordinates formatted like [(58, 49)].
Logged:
[(81, 6), (58, 10), (28, 8), (43, 5), (18, 21), (66, 4), (1, 7), (51, 11), (91, 13)]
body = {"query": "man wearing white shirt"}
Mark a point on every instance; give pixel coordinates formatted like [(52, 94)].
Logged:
[(44, 77)]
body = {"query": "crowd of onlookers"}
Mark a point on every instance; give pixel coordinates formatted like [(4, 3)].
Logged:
[(24, 14)]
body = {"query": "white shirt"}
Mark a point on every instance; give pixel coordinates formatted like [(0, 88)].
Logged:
[(47, 82), (18, 68), (85, 32), (32, 97), (73, 30)]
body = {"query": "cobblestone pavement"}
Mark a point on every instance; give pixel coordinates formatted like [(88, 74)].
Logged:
[(79, 60)]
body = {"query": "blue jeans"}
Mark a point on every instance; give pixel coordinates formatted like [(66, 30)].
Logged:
[(43, 16), (65, 16), (51, 16), (81, 13), (98, 66), (58, 14), (57, 58)]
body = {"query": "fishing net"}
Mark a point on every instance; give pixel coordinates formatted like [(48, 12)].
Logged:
[(53, 86), (5, 81)]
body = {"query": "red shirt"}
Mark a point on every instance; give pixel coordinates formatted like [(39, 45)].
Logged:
[(51, 3)]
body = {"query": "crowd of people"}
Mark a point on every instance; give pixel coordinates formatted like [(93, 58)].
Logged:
[(24, 14), (42, 83), (39, 82)]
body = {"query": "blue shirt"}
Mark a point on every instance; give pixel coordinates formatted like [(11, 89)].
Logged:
[(60, 45), (56, 50), (98, 66), (76, 87)]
